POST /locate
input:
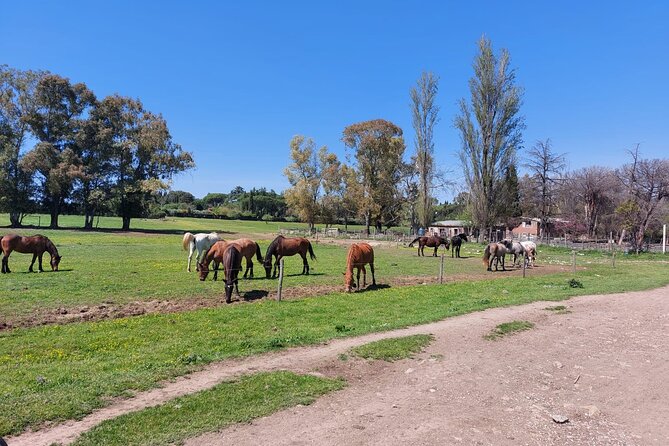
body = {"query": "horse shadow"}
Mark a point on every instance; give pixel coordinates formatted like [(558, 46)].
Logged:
[(252, 295), (378, 286)]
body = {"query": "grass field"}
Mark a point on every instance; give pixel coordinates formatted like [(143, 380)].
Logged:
[(60, 372), (120, 268)]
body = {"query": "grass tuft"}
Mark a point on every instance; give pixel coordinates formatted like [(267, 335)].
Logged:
[(573, 283), (393, 349), (508, 328), (210, 410)]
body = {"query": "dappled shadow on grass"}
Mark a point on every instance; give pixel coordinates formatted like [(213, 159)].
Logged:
[(118, 230)]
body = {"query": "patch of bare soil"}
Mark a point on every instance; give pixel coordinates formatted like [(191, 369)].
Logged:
[(602, 367), (110, 310)]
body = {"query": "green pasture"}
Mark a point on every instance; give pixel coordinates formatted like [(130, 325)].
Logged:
[(172, 224), (60, 372), (117, 268), (210, 410)]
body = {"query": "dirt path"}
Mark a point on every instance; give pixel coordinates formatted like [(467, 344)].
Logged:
[(604, 365)]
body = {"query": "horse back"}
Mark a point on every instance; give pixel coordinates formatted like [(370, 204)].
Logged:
[(24, 245), (361, 254)]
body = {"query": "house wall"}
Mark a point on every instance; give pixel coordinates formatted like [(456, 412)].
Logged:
[(445, 231)]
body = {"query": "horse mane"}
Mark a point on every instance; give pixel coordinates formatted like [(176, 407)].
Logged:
[(271, 249), (50, 247), (349, 261)]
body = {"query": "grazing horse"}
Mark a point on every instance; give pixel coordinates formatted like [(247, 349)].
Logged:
[(232, 264), (514, 248), (200, 242), (433, 241), (496, 252), (531, 249), (284, 247), (247, 247), (456, 243), (359, 254), (35, 245)]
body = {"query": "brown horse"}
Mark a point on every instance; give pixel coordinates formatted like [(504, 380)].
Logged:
[(35, 245), (232, 263), (284, 247), (433, 241), (359, 254), (247, 247), (496, 252)]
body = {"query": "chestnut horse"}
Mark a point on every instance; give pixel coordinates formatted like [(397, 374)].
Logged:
[(496, 252), (35, 245), (247, 248), (433, 241), (359, 254), (284, 247)]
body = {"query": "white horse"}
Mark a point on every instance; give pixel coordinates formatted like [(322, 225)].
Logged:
[(200, 242), (531, 249)]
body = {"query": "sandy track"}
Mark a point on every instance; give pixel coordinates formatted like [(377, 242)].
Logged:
[(604, 366)]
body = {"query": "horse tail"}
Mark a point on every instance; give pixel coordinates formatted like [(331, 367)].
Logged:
[(415, 240), (187, 240), (258, 255), (311, 252), (486, 255)]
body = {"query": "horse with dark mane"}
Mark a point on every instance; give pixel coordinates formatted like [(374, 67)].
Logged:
[(285, 247), (247, 247), (36, 245), (456, 243), (516, 249), (359, 255), (496, 252), (432, 241)]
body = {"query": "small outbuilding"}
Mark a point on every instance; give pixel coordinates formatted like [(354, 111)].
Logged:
[(448, 228)]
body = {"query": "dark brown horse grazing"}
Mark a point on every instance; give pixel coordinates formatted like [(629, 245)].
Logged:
[(247, 247), (433, 241), (456, 243), (284, 247), (35, 245), (359, 254), (496, 252), (232, 263)]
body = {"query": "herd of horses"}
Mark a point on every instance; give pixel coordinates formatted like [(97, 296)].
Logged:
[(210, 248)]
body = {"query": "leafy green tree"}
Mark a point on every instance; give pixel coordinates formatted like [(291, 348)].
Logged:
[(511, 210), (17, 101), (305, 177), (144, 157), (379, 150), (490, 131), (424, 112), (58, 115)]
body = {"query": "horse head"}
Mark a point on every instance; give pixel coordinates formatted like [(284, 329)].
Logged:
[(203, 270), (229, 286), (55, 260), (267, 264), (463, 237)]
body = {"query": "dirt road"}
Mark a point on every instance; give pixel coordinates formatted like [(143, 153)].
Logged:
[(604, 366)]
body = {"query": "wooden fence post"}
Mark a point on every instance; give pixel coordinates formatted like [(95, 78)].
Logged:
[(524, 262), (613, 258), (280, 280), (573, 261), (441, 268)]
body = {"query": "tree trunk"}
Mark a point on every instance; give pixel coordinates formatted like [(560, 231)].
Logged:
[(367, 223), (15, 219), (126, 223), (88, 219), (54, 212)]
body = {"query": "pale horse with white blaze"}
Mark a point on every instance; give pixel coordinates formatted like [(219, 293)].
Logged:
[(200, 242)]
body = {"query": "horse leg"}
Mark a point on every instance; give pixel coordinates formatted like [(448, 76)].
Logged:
[(216, 264), (30, 269), (357, 282), (305, 267), (5, 264), (276, 266), (190, 256), (364, 276), (435, 251), (237, 288), (246, 271), (249, 267), (371, 268), (41, 270)]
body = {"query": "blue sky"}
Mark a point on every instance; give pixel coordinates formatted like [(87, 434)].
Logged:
[(236, 80)]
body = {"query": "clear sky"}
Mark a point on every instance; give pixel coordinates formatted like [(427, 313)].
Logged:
[(236, 80)]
